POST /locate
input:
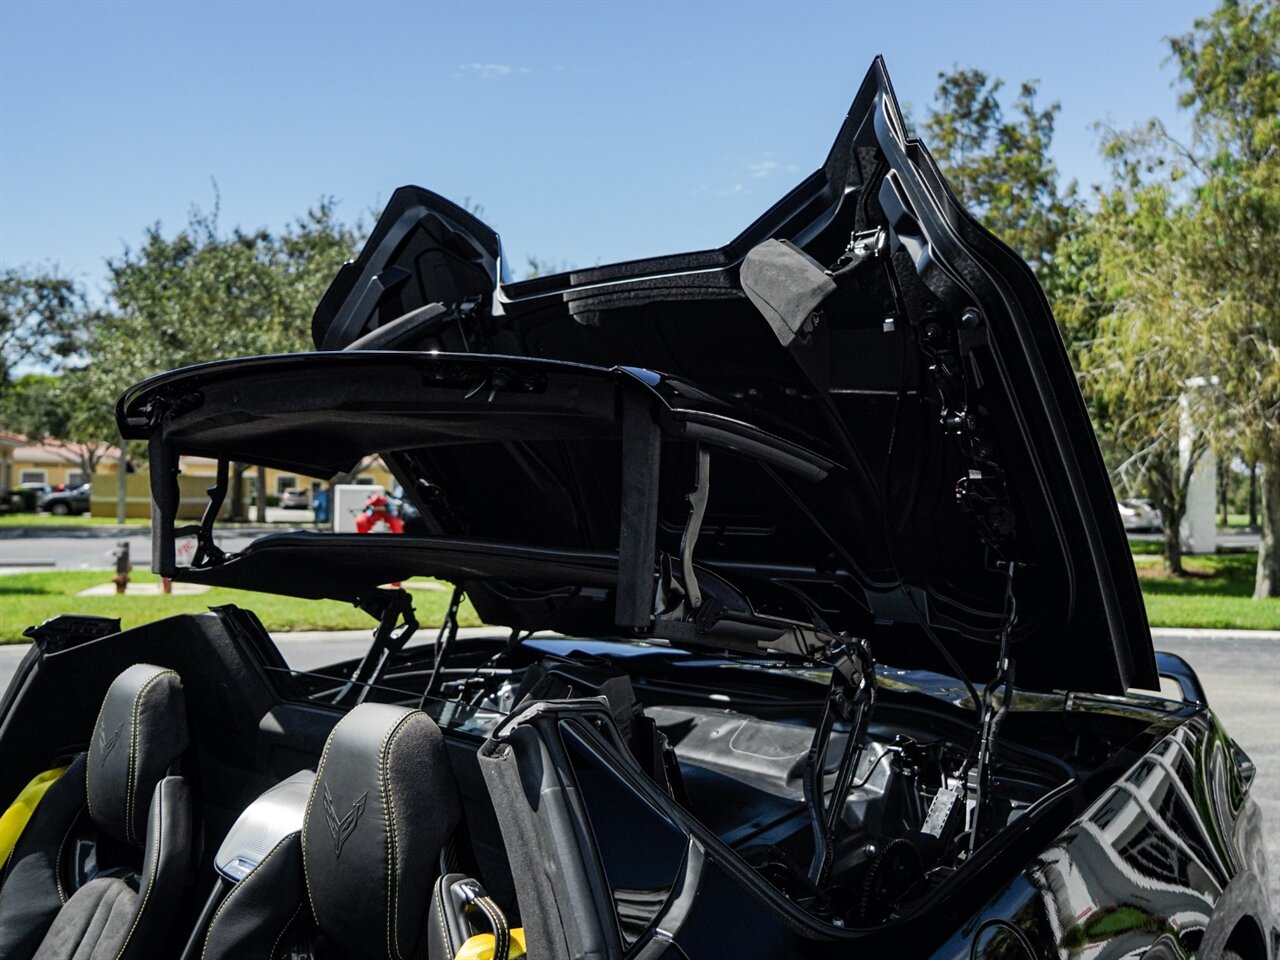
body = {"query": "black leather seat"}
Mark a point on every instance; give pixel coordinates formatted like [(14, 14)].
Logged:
[(100, 868), (356, 880)]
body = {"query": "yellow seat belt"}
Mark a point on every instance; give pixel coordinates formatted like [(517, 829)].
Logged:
[(14, 820), (480, 947)]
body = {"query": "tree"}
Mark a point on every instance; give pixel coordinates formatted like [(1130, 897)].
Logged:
[(1001, 167), (1229, 68), (41, 320), (44, 408), (1135, 320), (205, 294)]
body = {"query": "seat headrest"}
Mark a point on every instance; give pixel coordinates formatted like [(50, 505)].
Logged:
[(140, 733), (383, 804)]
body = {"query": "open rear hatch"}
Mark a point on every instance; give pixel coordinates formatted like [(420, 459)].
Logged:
[(865, 316)]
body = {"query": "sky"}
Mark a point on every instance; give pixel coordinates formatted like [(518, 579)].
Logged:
[(587, 132)]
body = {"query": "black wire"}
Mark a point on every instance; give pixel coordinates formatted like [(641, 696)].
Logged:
[(516, 639), (886, 499), (863, 782)]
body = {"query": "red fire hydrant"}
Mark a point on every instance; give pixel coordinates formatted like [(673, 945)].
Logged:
[(378, 509), (123, 566)]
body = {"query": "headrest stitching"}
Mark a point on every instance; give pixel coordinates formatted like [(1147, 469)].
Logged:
[(93, 736), (384, 783), (306, 820), (132, 766), (62, 845), (283, 930), (155, 867)]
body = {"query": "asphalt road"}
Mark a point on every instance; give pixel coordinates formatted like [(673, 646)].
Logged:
[(1240, 673), (86, 548), (1241, 677), (89, 548)]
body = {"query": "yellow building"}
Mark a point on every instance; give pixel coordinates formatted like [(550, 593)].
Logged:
[(52, 463), (196, 475), (8, 443), (278, 481)]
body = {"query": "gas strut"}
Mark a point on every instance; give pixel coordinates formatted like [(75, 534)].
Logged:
[(396, 624), (851, 697), (992, 714)]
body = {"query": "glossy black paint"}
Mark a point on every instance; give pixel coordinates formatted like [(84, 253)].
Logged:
[(1165, 861)]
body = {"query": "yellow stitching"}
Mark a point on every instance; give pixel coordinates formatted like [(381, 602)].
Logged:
[(444, 931), (57, 863), (88, 756), (395, 826), (155, 868), (499, 923), (283, 931), (240, 886), (315, 785), (131, 769), (384, 788)]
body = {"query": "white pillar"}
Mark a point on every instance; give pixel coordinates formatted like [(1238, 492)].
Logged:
[(1199, 529)]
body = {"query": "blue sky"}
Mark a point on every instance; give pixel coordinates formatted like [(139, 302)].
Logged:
[(589, 132)]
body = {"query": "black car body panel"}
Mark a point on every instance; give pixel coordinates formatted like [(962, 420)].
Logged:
[(815, 631)]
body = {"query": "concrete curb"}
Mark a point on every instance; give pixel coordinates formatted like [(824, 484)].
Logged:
[(1205, 634)]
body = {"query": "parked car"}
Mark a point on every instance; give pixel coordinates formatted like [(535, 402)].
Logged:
[(26, 497), (813, 630), (295, 498), (1140, 516), (69, 500)]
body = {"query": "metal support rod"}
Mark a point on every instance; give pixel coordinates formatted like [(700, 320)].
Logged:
[(396, 609), (697, 509), (852, 697)]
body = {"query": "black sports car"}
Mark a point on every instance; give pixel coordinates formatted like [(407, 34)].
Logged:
[(67, 501), (815, 629)]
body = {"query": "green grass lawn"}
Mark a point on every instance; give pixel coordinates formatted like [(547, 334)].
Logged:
[(1217, 594), (30, 598), (42, 520), (1236, 520)]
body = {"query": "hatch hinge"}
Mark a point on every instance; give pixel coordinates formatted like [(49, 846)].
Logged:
[(863, 245), (693, 526)]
